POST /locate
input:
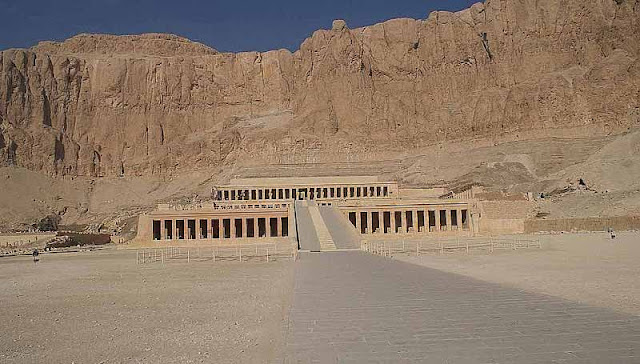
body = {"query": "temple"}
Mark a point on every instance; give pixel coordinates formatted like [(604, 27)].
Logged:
[(255, 209)]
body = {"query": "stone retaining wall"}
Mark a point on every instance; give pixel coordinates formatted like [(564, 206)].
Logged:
[(619, 223)]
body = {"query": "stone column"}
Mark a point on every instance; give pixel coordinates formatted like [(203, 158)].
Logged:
[(437, 216), (459, 218), (370, 222), (404, 221), (358, 222), (232, 225), (414, 219), (279, 226), (245, 224), (267, 226), (381, 221), (392, 228), (256, 233)]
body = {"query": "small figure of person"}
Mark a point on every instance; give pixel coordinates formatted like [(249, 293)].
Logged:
[(35, 255)]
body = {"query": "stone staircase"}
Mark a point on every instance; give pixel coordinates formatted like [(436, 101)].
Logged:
[(324, 237)]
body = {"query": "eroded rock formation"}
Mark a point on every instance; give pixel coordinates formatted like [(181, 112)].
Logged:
[(99, 105)]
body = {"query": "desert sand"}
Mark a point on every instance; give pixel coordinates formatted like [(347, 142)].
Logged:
[(590, 268), (102, 307)]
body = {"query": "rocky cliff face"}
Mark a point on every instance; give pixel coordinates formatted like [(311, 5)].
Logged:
[(154, 104)]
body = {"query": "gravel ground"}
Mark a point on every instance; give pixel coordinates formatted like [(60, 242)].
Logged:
[(100, 307), (589, 268)]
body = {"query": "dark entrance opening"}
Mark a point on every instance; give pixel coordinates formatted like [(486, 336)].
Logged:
[(386, 221), (285, 226), (443, 218), (454, 218), (352, 218), (168, 229), (432, 220), (203, 229), (226, 227), (156, 230), (398, 216), (238, 226), (409, 216), (262, 227), (273, 223), (180, 228), (250, 228), (363, 223), (215, 228), (192, 229), (375, 221), (420, 221), (465, 219)]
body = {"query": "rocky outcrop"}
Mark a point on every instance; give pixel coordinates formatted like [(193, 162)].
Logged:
[(99, 105)]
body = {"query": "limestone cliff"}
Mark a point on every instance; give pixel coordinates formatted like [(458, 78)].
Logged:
[(99, 105)]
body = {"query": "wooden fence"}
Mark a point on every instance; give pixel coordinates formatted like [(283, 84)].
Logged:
[(441, 246), (240, 253)]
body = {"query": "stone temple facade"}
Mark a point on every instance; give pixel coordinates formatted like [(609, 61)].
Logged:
[(273, 209)]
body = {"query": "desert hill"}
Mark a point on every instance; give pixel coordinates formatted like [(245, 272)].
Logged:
[(515, 95)]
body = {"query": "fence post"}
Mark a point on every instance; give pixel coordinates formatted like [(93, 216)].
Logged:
[(418, 248), (403, 245), (467, 247), (137, 256), (188, 255), (267, 254), (162, 256), (241, 254)]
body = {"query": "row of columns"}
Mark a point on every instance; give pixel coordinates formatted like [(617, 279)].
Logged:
[(308, 193), (169, 228), (442, 220)]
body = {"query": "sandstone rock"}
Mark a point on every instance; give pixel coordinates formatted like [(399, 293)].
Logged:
[(102, 105), (339, 25)]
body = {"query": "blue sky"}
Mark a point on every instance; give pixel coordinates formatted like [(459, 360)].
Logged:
[(232, 25)]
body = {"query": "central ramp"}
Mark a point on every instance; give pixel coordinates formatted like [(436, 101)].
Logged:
[(308, 240), (343, 233), (322, 232)]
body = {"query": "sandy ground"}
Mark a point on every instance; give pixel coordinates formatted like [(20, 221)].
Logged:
[(100, 307), (588, 268)]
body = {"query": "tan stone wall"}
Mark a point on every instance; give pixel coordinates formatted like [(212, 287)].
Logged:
[(620, 223), (502, 226)]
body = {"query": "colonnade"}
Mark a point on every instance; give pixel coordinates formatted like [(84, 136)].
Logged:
[(409, 220), (308, 193), (220, 228)]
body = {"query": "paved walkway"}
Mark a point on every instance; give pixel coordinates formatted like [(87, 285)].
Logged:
[(368, 309)]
